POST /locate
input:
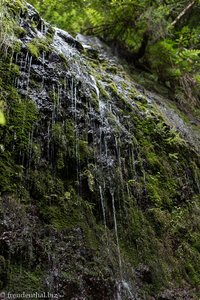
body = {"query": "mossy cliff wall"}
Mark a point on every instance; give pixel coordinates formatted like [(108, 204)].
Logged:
[(99, 178)]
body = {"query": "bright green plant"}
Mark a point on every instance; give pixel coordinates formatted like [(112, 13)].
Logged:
[(2, 117)]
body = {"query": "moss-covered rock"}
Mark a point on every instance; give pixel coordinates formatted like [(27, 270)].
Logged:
[(99, 178)]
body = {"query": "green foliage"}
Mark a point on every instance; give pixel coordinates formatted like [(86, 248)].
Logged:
[(166, 52), (187, 37), (65, 14)]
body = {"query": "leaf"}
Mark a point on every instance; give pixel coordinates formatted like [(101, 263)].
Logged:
[(190, 54), (2, 118)]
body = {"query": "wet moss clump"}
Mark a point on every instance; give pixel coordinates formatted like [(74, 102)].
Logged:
[(39, 45)]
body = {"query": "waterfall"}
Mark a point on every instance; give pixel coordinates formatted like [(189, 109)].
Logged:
[(82, 175)]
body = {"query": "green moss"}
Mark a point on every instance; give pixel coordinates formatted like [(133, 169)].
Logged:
[(33, 49), (16, 47), (44, 187), (50, 32), (16, 7), (156, 224), (22, 280), (153, 159), (102, 91), (85, 151), (10, 173), (9, 11), (61, 218), (190, 261), (160, 218), (90, 180), (124, 85), (92, 54), (153, 187), (95, 101), (38, 45), (8, 72), (23, 115), (112, 69), (195, 240), (64, 59), (20, 32), (113, 89)]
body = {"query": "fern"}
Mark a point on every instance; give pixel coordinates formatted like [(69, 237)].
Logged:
[(193, 54), (95, 18), (175, 139)]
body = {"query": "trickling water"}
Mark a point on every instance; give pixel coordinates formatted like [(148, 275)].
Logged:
[(123, 289), (94, 84), (29, 152), (118, 151), (116, 233), (75, 103), (127, 288), (134, 162), (77, 151), (28, 75), (11, 60), (72, 94), (74, 100), (43, 66), (53, 116), (143, 173), (103, 207), (48, 141), (106, 148), (43, 28), (25, 61)]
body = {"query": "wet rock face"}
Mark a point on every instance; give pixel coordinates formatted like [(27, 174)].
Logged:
[(3, 277), (144, 273), (96, 185), (176, 294)]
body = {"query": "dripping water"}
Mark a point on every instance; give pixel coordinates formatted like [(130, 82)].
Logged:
[(16, 62), (29, 73), (48, 142), (94, 84), (122, 289), (43, 67), (133, 164), (29, 153), (116, 233), (103, 208), (118, 151)]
